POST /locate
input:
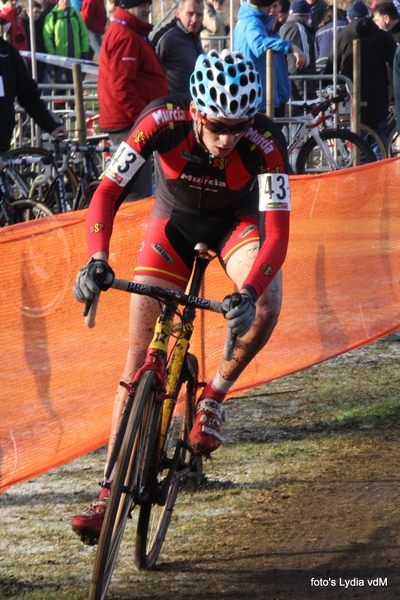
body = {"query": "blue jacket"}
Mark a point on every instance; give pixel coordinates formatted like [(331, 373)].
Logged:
[(253, 37)]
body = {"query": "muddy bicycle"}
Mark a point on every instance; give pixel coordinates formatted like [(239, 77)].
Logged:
[(151, 453)]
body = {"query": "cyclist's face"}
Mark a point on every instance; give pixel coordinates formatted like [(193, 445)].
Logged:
[(218, 144), (191, 15)]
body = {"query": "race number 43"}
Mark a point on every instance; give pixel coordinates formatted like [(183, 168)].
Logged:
[(274, 191), (125, 163)]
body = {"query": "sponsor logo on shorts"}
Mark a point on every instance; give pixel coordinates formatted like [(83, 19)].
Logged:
[(97, 227), (169, 114), (267, 270), (247, 231), (260, 140), (160, 250)]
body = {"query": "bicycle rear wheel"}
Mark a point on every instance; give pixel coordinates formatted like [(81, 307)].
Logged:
[(130, 478), (312, 160), (155, 514), (25, 210)]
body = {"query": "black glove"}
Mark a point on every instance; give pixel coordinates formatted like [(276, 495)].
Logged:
[(96, 275), (240, 317)]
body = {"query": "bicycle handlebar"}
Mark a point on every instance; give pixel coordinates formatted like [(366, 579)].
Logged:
[(165, 295)]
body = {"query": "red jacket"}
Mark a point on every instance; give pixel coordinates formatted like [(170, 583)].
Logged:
[(94, 14), (130, 73), (18, 37)]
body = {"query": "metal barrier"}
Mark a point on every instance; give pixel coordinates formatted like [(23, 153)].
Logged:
[(63, 104)]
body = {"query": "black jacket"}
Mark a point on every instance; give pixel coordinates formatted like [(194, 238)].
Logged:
[(17, 83), (377, 50)]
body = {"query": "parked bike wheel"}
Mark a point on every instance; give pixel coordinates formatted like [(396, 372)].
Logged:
[(20, 211), (25, 181), (155, 514), (127, 483), (312, 160), (371, 137)]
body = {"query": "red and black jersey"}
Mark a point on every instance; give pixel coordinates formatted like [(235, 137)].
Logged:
[(190, 179)]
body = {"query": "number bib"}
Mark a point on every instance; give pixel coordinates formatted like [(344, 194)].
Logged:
[(274, 191), (124, 164)]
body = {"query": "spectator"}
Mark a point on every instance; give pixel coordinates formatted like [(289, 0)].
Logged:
[(39, 41), (297, 31), (377, 50), (10, 12), (317, 12), (395, 2), (214, 26), (17, 84), (396, 86), (130, 76), (385, 15), (95, 17), (253, 37), (281, 17), (324, 33), (180, 45), (65, 34)]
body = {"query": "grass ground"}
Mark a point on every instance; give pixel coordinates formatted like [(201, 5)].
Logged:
[(301, 502)]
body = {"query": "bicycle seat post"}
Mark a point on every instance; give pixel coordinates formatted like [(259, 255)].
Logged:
[(203, 257)]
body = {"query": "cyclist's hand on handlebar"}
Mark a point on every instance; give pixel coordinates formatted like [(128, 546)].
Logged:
[(241, 317), (95, 276)]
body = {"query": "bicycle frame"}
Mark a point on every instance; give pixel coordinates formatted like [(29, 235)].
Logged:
[(309, 125), (168, 377)]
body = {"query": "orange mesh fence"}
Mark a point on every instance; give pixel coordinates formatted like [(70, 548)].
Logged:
[(58, 378)]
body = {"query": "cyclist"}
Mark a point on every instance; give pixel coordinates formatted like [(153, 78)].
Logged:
[(222, 181)]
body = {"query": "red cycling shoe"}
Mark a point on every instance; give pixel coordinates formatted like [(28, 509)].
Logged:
[(88, 524), (206, 434)]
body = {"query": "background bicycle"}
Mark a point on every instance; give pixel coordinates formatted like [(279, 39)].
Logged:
[(315, 150), (17, 210)]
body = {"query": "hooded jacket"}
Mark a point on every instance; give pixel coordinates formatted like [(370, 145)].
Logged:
[(130, 73), (253, 37), (377, 51), (18, 37), (55, 33)]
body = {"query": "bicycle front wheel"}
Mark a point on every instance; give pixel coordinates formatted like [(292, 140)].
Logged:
[(155, 514), (341, 143), (127, 484)]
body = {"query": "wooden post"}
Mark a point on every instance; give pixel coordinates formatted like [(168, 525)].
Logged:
[(270, 84), (356, 119), (79, 108)]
